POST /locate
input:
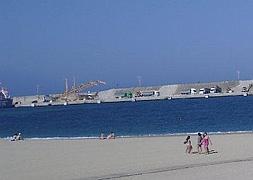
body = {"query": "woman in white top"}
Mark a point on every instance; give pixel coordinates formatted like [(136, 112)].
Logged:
[(188, 145)]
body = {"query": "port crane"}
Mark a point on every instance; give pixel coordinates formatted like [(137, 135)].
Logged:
[(247, 89), (77, 89), (250, 86)]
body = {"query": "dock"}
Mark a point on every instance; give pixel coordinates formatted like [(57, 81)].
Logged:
[(164, 92)]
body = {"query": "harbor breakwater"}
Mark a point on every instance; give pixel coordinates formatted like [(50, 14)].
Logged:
[(177, 91)]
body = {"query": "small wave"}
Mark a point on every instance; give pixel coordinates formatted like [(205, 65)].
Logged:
[(134, 136), (231, 132), (63, 138), (55, 138)]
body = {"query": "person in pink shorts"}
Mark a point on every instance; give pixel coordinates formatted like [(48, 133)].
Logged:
[(205, 142)]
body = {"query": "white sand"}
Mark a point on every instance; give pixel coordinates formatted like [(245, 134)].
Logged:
[(129, 158)]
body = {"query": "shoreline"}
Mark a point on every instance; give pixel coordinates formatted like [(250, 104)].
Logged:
[(132, 137)]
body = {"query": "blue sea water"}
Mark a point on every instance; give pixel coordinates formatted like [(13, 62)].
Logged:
[(146, 118)]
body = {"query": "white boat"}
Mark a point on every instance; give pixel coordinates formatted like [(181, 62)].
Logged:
[(5, 99)]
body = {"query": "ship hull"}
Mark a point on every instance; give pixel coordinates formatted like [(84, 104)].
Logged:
[(6, 103)]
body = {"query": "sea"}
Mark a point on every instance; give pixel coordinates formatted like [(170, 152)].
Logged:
[(131, 119)]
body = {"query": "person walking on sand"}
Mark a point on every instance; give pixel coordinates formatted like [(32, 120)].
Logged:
[(206, 141), (199, 143), (188, 144)]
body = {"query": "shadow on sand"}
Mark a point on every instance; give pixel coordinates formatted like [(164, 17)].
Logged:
[(210, 152)]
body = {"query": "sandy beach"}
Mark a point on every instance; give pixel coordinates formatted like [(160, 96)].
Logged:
[(126, 158)]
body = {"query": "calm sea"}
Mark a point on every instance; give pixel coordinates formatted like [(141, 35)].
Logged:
[(149, 118)]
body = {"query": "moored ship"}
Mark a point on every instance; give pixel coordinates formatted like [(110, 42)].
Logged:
[(5, 99)]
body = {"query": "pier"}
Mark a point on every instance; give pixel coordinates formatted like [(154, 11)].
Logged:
[(165, 92)]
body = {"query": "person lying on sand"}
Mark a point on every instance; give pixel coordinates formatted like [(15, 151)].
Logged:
[(102, 136), (17, 137), (111, 136)]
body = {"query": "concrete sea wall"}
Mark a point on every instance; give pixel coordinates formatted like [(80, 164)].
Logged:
[(228, 88)]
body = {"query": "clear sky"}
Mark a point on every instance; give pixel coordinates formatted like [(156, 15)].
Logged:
[(161, 41)]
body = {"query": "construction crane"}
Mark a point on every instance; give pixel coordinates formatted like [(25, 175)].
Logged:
[(250, 86), (74, 90)]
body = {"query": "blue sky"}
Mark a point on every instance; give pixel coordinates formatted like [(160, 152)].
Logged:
[(162, 41)]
